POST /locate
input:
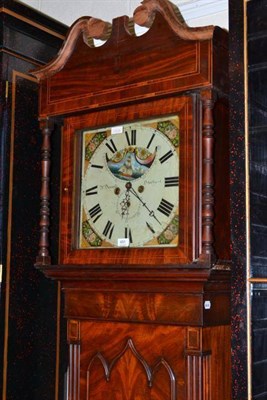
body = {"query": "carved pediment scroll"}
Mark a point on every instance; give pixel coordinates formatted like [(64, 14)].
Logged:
[(144, 16), (93, 28)]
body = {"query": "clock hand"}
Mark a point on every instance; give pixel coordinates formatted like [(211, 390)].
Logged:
[(150, 227), (131, 190)]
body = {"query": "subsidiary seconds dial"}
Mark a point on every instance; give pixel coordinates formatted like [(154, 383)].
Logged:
[(129, 185)]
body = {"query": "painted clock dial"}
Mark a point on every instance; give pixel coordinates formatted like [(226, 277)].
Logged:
[(129, 184)]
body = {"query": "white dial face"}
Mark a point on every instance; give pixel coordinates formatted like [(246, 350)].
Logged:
[(129, 185)]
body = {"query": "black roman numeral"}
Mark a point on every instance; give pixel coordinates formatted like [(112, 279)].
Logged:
[(96, 166), (90, 191), (95, 212), (166, 156), (108, 230), (165, 207), (171, 181), (150, 141), (111, 146), (128, 234), (131, 140)]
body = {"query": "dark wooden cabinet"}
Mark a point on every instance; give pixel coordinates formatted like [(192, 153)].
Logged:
[(248, 30), (146, 321), (28, 304), (257, 83)]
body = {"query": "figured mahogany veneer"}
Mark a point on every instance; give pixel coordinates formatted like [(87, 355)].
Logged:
[(178, 366), (127, 68), (111, 79), (145, 324)]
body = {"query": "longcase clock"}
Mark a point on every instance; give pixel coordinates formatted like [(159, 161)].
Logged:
[(144, 232)]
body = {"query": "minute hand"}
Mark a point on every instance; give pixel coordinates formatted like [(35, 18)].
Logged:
[(151, 212)]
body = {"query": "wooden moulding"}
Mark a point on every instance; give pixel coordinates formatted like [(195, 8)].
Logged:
[(93, 28)]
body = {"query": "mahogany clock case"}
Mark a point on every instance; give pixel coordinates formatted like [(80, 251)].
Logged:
[(145, 323)]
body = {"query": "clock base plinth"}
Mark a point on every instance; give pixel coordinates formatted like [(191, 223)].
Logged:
[(163, 335)]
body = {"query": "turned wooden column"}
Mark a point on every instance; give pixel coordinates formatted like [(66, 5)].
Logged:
[(207, 177), (43, 257)]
